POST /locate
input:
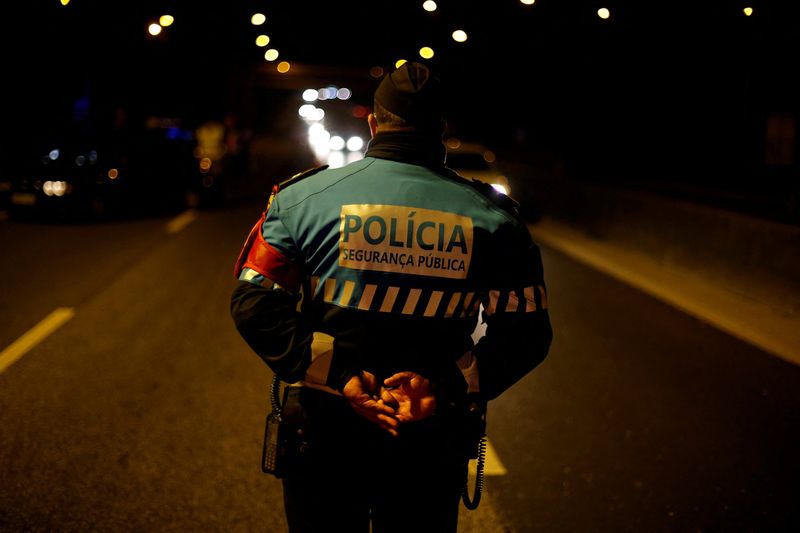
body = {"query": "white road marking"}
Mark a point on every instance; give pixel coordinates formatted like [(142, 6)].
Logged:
[(181, 221), (34, 336), (764, 326)]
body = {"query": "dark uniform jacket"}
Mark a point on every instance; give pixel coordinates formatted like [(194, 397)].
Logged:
[(387, 264)]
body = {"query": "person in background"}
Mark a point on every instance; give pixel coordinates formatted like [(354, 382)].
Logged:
[(361, 285)]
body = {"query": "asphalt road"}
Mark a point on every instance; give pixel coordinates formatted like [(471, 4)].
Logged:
[(144, 410)]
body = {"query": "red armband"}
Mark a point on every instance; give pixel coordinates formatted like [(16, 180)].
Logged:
[(258, 255)]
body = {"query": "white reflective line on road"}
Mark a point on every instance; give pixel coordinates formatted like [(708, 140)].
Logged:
[(34, 336), (492, 465), (770, 328), (181, 221)]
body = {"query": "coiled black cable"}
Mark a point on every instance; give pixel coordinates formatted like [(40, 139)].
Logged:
[(472, 504), (275, 392)]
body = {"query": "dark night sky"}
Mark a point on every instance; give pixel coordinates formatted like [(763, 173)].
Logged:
[(684, 87)]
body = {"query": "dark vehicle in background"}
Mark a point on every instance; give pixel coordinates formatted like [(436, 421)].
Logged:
[(80, 173), (474, 160)]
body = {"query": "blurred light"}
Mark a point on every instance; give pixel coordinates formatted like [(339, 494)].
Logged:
[(355, 143), (205, 164), (92, 157), (336, 143), (318, 138), (310, 95), (354, 156), (429, 6), (64, 2), (317, 115), (459, 36), (344, 93), (258, 19), (113, 173), (399, 63), (426, 52), (271, 54), (53, 155), (311, 112), (166, 20), (54, 188), (500, 188), (527, 2), (283, 67), (80, 160), (489, 156), (306, 110), (327, 93), (376, 72), (453, 142), (603, 13), (208, 181), (360, 111), (748, 11), (262, 40), (336, 159), (154, 29), (318, 135)]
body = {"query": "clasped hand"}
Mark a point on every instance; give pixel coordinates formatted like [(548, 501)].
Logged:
[(402, 397)]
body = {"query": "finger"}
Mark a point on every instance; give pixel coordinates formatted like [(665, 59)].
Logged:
[(387, 398), (369, 381), (397, 379), (377, 408), (391, 428), (389, 423)]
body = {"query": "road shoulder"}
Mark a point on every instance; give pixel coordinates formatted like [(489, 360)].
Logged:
[(745, 315)]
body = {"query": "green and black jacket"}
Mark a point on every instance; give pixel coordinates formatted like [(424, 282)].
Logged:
[(388, 264)]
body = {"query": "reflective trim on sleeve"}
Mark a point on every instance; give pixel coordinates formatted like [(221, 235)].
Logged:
[(512, 301), (530, 300), (394, 299), (471, 308)]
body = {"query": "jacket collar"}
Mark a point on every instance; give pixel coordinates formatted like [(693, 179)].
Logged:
[(408, 147)]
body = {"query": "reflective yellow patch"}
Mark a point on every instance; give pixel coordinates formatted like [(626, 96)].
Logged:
[(405, 240)]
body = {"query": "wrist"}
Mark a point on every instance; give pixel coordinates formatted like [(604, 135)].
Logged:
[(345, 378)]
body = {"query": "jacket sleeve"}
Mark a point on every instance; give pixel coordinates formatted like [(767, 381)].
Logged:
[(268, 320), (518, 330), (264, 304)]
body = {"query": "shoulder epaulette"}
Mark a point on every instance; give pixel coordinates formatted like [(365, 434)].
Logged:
[(301, 175), (503, 201)]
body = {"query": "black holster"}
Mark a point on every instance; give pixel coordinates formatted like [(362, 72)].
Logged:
[(284, 435)]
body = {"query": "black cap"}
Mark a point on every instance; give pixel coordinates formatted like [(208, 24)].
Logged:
[(413, 93)]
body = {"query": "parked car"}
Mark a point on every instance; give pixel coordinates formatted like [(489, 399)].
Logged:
[(80, 173), (475, 160)]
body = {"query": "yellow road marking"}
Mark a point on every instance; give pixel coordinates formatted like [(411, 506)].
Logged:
[(34, 336), (181, 221)]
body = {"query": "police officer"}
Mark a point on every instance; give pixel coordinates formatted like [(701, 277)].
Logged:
[(363, 284)]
